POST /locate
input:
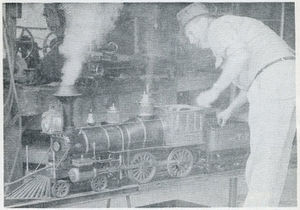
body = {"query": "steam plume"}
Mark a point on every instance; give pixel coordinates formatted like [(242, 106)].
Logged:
[(85, 23)]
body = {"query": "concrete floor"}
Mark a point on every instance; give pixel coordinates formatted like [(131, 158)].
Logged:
[(209, 190)]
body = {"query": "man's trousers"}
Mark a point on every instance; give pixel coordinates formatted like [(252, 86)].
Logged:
[(272, 128)]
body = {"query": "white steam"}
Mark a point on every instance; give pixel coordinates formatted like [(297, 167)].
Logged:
[(85, 23)]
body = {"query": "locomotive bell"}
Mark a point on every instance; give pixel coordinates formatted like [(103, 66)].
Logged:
[(67, 95)]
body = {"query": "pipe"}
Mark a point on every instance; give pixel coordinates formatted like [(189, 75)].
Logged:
[(27, 159), (136, 35), (53, 165), (11, 63), (94, 150), (120, 160)]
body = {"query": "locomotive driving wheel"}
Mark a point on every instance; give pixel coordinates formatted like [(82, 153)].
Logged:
[(99, 183), (180, 162), (144, 167), (60, 189)]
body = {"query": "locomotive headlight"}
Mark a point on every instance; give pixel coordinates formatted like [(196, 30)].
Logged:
[(56, 146)]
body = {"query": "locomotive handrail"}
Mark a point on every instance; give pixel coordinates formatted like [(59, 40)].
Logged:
[(166, 113), (66, 152), (149, 148)]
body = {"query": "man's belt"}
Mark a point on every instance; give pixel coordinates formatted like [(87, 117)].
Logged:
[(270, 64)]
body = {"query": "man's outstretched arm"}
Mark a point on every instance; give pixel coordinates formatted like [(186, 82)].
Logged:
[(236, 61)]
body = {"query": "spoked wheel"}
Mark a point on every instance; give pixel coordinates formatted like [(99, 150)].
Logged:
[(25, 42), (180, 162), (144, 167), (60, 189), (50, 43), (99, 183)]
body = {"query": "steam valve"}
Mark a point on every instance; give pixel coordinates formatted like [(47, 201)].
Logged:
[(113, 115), (146, 106)]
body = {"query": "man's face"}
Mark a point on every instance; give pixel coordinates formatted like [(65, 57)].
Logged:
[(196, 32)]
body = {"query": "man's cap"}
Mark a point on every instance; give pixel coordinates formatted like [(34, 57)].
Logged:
[(190, 12)]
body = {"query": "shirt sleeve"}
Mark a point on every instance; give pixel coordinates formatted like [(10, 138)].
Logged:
[(242, 81), (224, 40), (226, 44)]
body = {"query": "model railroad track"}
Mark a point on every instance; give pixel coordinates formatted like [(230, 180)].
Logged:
[(160, 182)]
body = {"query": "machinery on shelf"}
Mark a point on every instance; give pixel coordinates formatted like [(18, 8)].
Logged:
[(173, 137)]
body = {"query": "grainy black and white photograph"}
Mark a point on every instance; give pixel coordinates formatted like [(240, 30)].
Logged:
[(149, 105)]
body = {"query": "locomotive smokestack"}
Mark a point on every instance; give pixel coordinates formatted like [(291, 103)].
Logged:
[(67, 95)]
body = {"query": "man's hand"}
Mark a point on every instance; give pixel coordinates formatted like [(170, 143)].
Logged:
[(223, 117), (206, 98)]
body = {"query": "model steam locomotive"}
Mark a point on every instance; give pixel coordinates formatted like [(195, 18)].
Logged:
[(173, 137)]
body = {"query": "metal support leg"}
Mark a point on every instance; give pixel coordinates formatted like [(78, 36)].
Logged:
[(232, 192), (128, 201), (108, 203)]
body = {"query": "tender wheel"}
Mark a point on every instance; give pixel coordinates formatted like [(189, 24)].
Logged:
[(99, 183), (144, 167), (60, 189), (180, 162)]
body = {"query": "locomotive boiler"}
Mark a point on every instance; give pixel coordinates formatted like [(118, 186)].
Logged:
[(173, 137)]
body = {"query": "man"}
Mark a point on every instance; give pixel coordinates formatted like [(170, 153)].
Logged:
[(261, 64)]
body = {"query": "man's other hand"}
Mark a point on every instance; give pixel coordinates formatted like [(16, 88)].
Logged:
[(223, 117)]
